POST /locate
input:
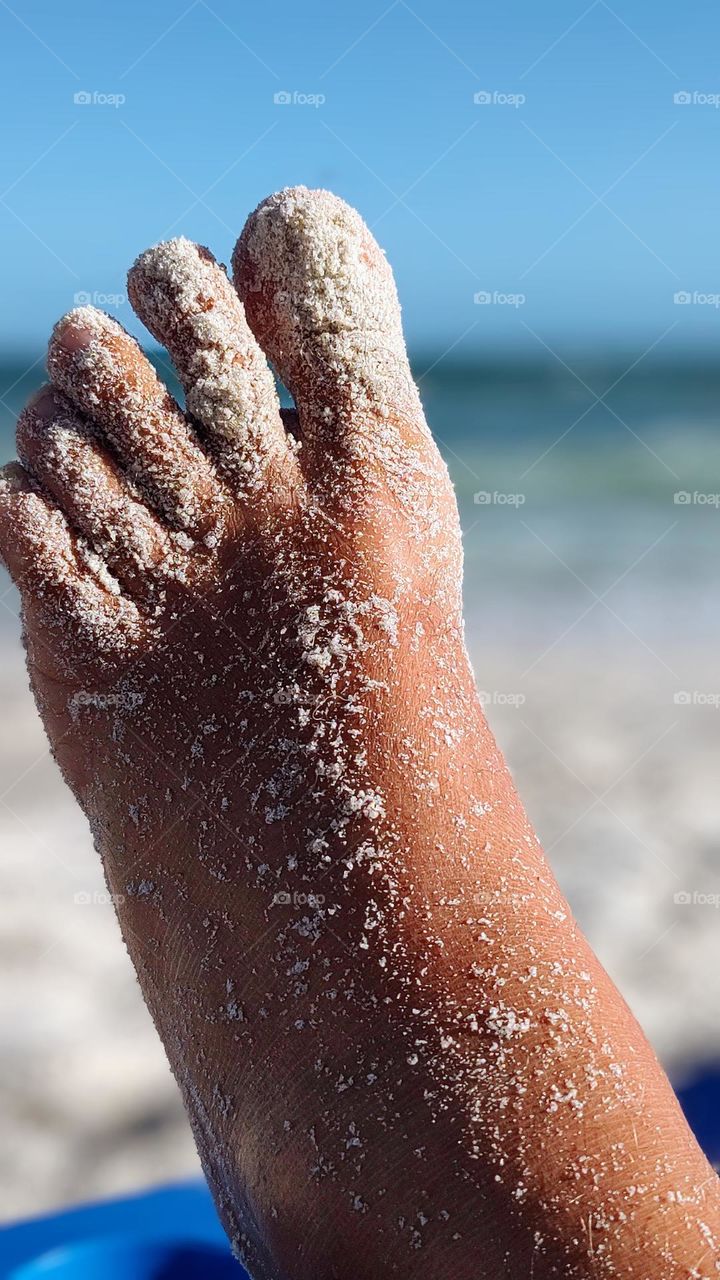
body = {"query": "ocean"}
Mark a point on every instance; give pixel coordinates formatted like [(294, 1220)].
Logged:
[(565, 475)]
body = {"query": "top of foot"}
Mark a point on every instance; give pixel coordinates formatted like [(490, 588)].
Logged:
[(244, 636)]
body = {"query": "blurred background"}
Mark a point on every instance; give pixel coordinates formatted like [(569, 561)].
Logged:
[(544, 180)]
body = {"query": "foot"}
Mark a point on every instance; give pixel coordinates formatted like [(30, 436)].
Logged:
[(244, 637)]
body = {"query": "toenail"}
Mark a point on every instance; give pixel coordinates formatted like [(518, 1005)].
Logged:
[(43, 403), (73, 337)]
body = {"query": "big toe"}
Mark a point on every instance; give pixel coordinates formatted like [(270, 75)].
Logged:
[(320, 297), (307, 262)]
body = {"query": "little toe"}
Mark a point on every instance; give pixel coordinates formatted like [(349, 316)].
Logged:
[(103, 371), (321, 299), (185, 299), (64, 453), (74, 605)]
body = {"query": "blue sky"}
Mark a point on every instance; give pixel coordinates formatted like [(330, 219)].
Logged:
[(596, 199)]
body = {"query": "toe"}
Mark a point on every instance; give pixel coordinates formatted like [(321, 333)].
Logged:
[(63, 452), (104, 373), (74, 606), (187, 302), (320, 297)]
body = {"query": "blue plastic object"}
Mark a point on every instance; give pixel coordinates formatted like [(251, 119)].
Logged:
[(174, 1233), (700, 1100), (170, 1234)]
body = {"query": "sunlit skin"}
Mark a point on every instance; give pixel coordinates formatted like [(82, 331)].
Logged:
[(244, 635)]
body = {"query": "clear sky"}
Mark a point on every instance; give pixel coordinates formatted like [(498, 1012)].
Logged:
[(596, 198)]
